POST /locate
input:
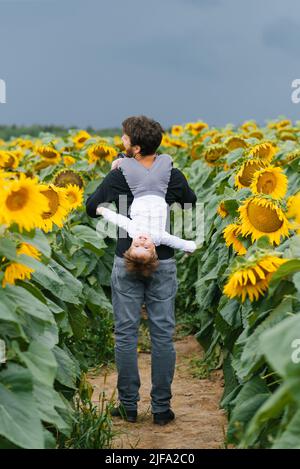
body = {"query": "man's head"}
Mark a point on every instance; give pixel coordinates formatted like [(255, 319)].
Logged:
[(141, 136), (141, 256)]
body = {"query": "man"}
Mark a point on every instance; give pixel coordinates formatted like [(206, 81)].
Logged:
[(130, 290)]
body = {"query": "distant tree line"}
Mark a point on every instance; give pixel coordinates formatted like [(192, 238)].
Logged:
[(12, 131)]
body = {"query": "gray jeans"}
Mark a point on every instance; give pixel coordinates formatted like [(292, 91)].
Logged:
[(129, 292)]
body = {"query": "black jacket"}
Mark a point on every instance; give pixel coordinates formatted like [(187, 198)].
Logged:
[(114, 185)]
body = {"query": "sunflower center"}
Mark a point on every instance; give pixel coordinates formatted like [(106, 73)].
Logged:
[(41, 165), (213, 154), (211, 157), (248, 172), (17, 199), (9, 163), (49, 154), (262, 152), (100, 152), (236, 143), (255, 134), (53, 201), (266, 183), (264, 219), (68, 177)]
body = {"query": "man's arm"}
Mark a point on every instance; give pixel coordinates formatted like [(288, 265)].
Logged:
[(179, 190), (105, 192)]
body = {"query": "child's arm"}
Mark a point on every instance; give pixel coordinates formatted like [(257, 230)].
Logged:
[(115, 218), (178, 243)]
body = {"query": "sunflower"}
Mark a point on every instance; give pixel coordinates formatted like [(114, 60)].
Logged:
[(231, 233), (18, 271), (66, 149), (247, 126), (119, 143), (188, 126), (253, 279), (74, 196), (270, 181), (287, 135), (177, 130), (25, 144), (209, 133), (234, 142), (17, 153), (101, 151), (198, 127), (195, 127), (293, 155), (69, 160), (290, 157), (196, 150), (29, 250), (67, 176), (4, 158), (9, 175), (177, 143), (263, 217), (256, 134), (280, 124), (80, 138), (293, 205), (221, 210), (247, 170), (58, 208), (41, 165), (49, 153), (166, 141), (213, 153), (9, 160), (21, 202), (263, 151), (217, 138)]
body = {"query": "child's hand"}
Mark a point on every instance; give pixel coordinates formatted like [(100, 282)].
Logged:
[(115, 164), (99, 210)]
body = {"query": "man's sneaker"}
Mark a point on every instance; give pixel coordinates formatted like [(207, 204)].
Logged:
[(129, 415), (162, 418)]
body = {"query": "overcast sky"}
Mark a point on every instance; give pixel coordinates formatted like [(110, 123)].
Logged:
[(95, 62)]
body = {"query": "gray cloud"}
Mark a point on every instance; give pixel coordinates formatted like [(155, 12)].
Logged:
[(202, 3), (283, 34), (91, 62)]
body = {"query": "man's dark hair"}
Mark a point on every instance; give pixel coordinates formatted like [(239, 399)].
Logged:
[(144, 132)]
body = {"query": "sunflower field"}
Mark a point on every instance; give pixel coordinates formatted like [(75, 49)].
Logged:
[(239, 293)]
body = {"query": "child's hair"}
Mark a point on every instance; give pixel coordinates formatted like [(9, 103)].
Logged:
[(145, 267)]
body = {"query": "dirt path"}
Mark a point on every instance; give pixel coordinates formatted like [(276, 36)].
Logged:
[(199, 422)]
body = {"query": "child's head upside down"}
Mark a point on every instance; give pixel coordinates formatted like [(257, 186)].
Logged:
[(141, 256)]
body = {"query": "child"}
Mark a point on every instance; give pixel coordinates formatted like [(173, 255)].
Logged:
[(148, 213)]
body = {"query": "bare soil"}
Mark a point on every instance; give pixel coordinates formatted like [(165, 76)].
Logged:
[(199, 421)]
